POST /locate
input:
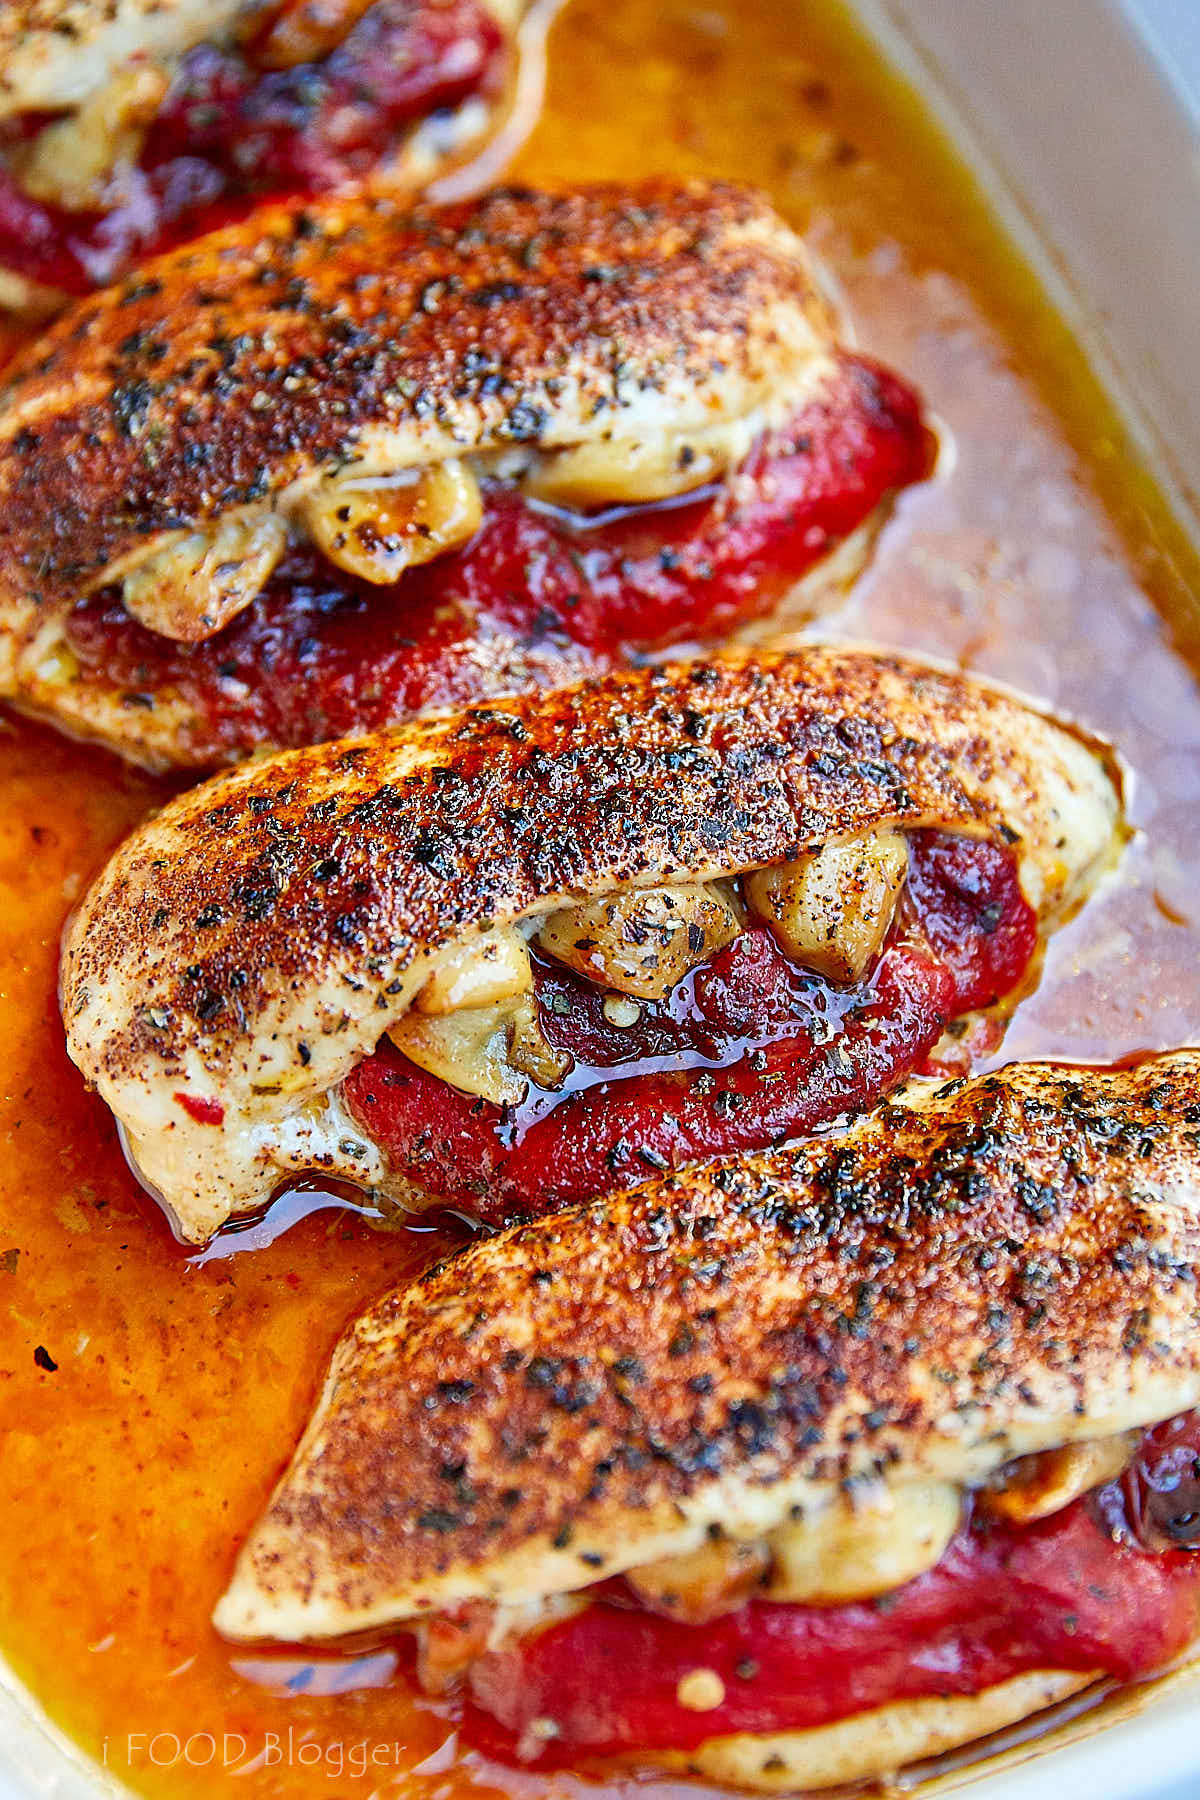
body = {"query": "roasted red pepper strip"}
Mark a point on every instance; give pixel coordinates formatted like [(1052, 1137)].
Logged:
[(536, 597), (228, 134), (965, 900), (615, 1133), (746, 1052), (1058, 1594)]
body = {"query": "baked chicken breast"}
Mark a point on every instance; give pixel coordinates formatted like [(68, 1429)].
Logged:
[(789, 1471), (513, 957), (127, 126), (332, 468)]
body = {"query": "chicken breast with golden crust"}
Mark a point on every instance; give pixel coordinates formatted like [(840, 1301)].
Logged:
[(331, 468), (788, 868), (127, 126), (608, 1456)]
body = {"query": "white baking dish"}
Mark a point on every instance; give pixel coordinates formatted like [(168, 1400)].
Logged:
[(1083, 118)]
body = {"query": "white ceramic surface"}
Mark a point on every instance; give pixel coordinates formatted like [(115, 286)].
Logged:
[(1084, 118)]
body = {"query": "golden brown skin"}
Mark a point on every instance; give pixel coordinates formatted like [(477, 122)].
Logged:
[(284, 348), (252, 942), (992, 1268)]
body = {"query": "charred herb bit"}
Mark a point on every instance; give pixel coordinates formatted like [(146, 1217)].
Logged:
[(44, 1360), (437, 1520), (9, 1260), (455, 1393)]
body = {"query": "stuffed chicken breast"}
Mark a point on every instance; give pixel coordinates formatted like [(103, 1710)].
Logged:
[(127, 126), (316, 475), (517, 956), (790, 1471)]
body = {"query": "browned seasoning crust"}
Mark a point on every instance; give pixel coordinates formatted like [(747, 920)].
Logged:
[(231, 368), (1007, 1265)]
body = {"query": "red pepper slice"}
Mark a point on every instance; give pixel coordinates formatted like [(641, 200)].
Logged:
[(965, 898), (615, 1133), (1061, 1593), (747, 1052)]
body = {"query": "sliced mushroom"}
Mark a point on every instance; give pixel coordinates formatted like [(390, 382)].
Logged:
[(710, 1581), (831, 910), (858, 1548), (468, 1049), (493, 1051), (194, 585), (376, 526), (1033, 1487), (69, 163), (626, 472), (494, 966), (530, 1050), (643, 941)]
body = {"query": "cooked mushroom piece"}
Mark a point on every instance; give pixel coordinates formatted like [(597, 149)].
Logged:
[(710, 1581), (863, 1544), (469, 1049), (71, 161), (376, 526), (493, 1051), (643, 941), (831, 909), (494, 966), (1033, 1487), (196, 583), (616, 472)]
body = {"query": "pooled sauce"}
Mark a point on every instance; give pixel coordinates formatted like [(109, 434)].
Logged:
[(148, 1400)]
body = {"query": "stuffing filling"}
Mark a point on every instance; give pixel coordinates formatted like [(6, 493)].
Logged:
[(587, 1049), (294, 107), (1075, 1559), (377, 593)]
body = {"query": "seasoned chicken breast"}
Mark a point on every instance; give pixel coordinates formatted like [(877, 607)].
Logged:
[(975, 1273), (415, 417), (963, 1195), (129, 125), (253, 942)]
